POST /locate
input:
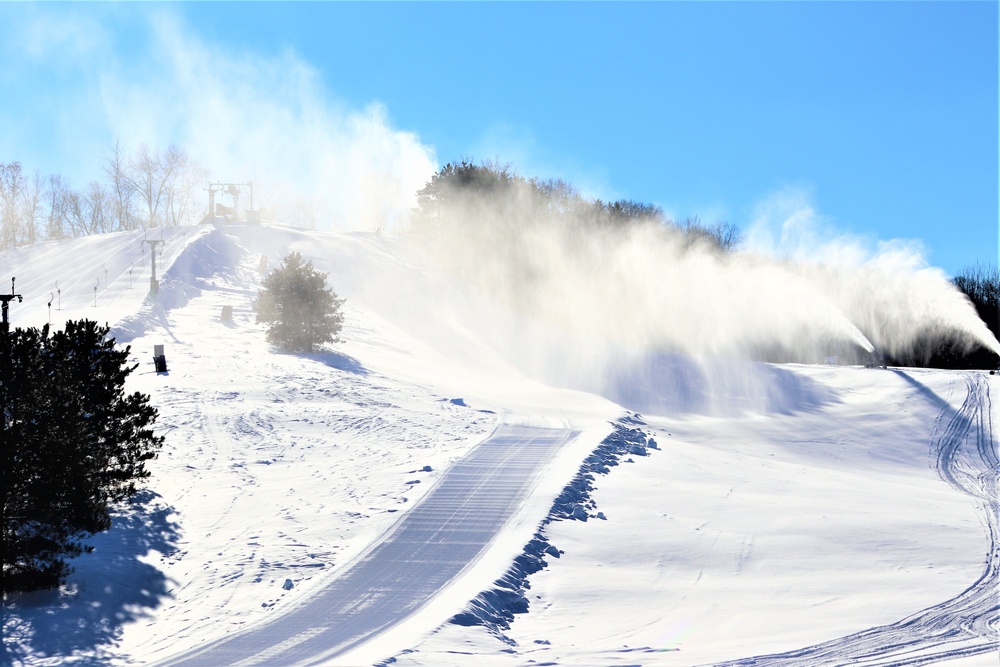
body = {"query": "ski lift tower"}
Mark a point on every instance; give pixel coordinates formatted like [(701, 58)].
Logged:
[(5, 300), (154, 285)]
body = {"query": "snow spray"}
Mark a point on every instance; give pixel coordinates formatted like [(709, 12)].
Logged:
[(613, 297)]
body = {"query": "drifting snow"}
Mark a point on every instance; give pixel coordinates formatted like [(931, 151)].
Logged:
[(803, 515)]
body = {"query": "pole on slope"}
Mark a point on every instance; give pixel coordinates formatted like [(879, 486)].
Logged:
[(51, 299), (154, 286), (5, 300), (95, 291)]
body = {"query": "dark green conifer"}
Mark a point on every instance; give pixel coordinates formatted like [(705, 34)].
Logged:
[(299, 310), (74, 444)]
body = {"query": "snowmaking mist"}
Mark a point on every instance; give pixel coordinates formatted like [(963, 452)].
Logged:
[(314, 160), (605, 297)]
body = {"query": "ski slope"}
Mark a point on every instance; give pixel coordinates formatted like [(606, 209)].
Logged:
[(967, 624), (425, 550), (792, 514)]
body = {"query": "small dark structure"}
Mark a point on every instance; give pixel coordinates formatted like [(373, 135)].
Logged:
[(227, 313), (159, 359), (876, 359)]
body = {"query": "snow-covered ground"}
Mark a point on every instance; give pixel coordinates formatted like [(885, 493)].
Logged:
[(803, 515)]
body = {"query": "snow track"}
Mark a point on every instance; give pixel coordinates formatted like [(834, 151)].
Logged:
[(968, 624), (418, 557)]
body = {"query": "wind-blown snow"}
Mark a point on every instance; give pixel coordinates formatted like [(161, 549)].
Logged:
[(788, 506)]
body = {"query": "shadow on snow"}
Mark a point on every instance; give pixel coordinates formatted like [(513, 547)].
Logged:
[(110, 587), (337, 360)]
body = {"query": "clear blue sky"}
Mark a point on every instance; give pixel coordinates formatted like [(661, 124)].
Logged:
[(882, 115)]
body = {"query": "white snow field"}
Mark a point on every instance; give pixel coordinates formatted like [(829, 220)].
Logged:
[(341, 507)]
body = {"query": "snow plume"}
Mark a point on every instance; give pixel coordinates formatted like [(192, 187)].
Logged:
[(885, 288), (245, 117), (611, 293), (270, 120)]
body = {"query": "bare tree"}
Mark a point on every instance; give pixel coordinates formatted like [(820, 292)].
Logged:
[(144, 188), (87, 213), (727, 235), (74, 212), (20, 206), (99, 209), (722, 235), (33, 196), (121, 189), (152, 175), (271, 201), (146, 176), (57, 193), (181, 206), (11, 185)]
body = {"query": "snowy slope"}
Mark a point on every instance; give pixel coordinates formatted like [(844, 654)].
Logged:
[(787, 507), (770, 535)]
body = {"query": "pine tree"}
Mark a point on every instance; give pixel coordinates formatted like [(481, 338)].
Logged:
[(74, 444), (299, 309)]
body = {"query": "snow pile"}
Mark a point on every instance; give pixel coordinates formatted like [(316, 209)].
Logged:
[(495, 608)]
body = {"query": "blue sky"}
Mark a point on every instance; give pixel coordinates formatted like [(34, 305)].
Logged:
[(881, 117)]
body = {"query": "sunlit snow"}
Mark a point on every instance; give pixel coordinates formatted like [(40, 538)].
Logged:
[(815, 515)]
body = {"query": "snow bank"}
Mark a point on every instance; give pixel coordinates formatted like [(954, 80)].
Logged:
[(495, 608)]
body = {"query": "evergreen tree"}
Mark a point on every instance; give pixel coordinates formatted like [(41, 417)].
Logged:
[(299, 310), (74, 444)]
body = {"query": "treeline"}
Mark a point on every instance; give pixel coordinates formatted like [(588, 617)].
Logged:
[(466, 197), (514, 236), (143, 188), (536, 243), (981, 284)]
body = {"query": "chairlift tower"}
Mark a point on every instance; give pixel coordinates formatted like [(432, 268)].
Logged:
[(154, 286)]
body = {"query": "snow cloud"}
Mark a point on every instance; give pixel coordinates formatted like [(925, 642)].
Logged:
[(885, 288), (151, 80), (609, 297)]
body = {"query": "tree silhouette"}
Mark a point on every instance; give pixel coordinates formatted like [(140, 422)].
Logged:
[(73, 443)]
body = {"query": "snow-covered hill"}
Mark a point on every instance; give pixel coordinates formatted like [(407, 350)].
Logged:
[(825, 514)]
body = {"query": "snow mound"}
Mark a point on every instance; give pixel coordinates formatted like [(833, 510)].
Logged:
[(211, 261), (496, 607)]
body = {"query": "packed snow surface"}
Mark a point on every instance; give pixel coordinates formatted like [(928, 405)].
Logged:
[(791, 515), (425, 550)]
